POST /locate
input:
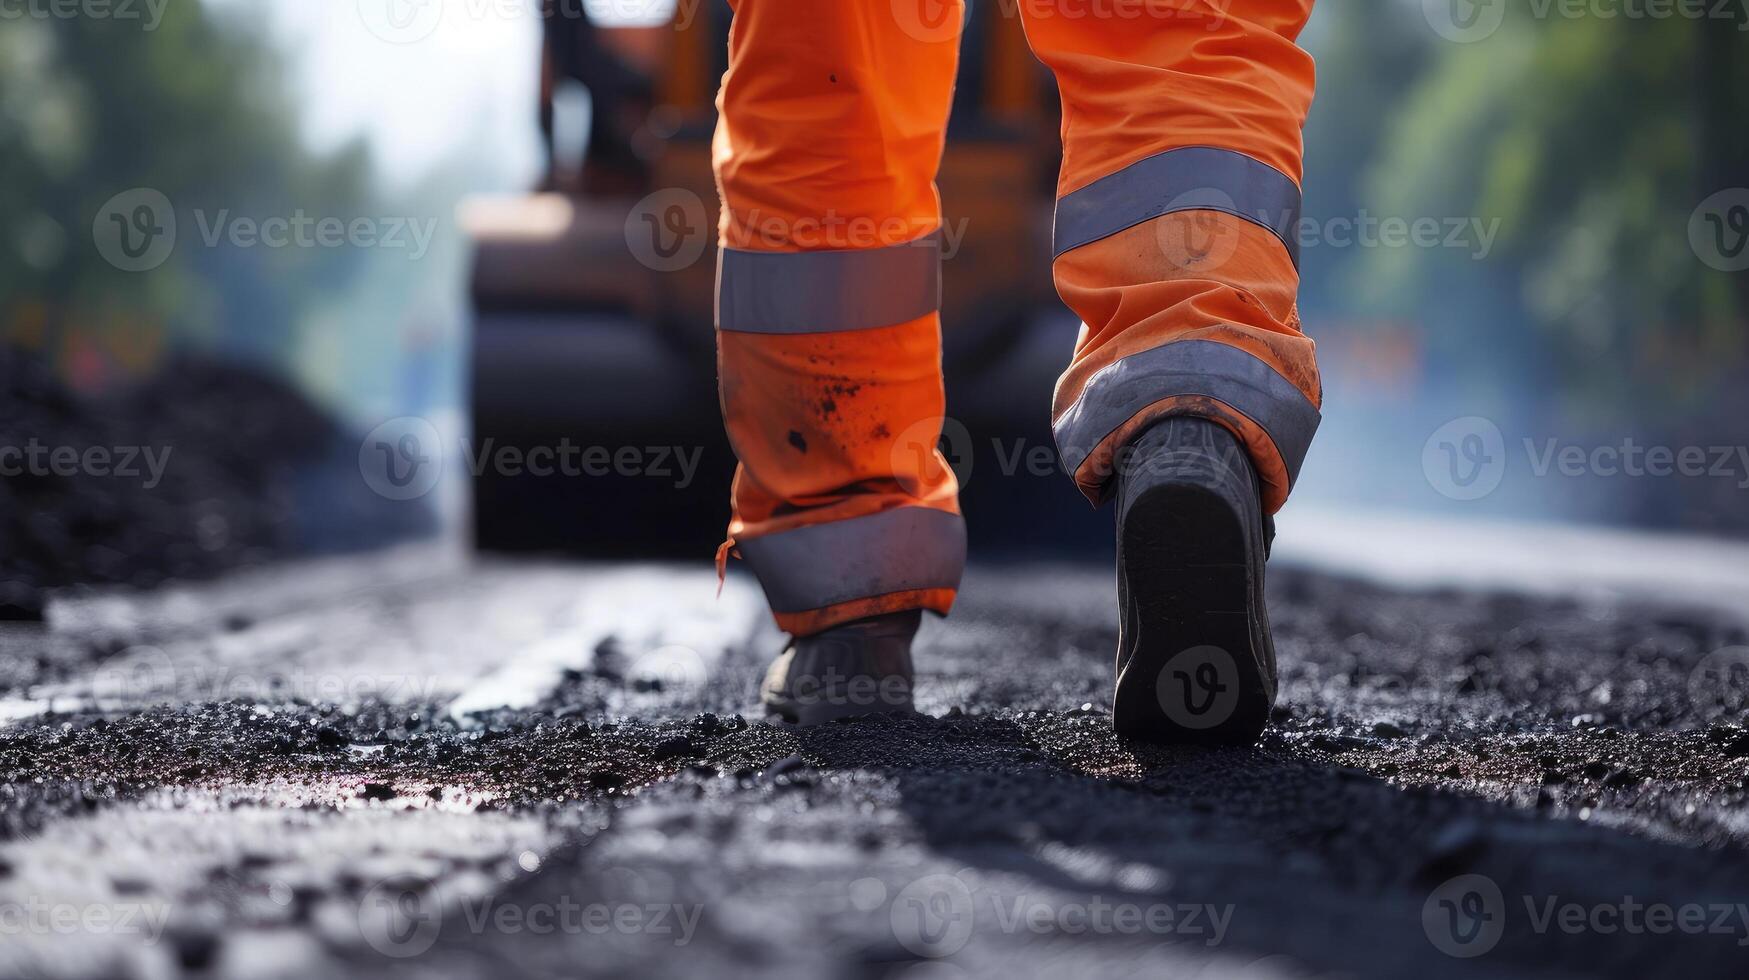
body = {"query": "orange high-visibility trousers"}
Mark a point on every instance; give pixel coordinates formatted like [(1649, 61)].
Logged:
[(1175, 242)]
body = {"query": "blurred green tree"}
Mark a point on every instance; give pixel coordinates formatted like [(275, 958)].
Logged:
[(195, 106), (1592, 140)]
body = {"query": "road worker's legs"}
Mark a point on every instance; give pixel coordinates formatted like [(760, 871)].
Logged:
[(1176, 219), (831, 127), (1192, 396)]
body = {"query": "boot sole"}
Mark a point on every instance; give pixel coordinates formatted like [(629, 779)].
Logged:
[(1196, 630)]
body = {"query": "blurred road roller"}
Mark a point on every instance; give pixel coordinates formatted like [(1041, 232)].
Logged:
[(593, 366)]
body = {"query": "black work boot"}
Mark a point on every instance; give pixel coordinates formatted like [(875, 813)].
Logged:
[(1194, 658), (860, 668)]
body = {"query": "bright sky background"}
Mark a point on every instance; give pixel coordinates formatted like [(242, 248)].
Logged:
[(426, 81)]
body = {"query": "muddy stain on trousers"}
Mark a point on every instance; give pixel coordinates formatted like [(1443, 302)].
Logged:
[(1175, 242)]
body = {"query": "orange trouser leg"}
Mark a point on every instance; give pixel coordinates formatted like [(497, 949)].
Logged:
[(1177, 217), (830, 129)]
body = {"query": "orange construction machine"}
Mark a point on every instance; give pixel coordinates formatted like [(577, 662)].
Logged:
[(592, 296)]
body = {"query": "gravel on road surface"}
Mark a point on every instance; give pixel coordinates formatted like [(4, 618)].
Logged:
[(555, 770)]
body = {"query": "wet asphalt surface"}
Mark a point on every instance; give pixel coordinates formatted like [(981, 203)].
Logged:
[(301, 773)]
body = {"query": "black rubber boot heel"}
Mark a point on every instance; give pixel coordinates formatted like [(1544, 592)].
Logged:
[(1195, 660)]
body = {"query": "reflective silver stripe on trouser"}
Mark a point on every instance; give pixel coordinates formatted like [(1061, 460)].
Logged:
[(820, 292), (1237, 379), (899, 550), (1195, 178)]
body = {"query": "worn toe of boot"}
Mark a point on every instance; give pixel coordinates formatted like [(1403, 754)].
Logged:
[(1195, 660), (857, 669)]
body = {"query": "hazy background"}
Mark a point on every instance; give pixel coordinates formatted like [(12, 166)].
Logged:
[(1593, 166)]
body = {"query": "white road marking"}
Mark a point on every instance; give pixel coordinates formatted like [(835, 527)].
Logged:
[(670, 625), (501, 635)]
